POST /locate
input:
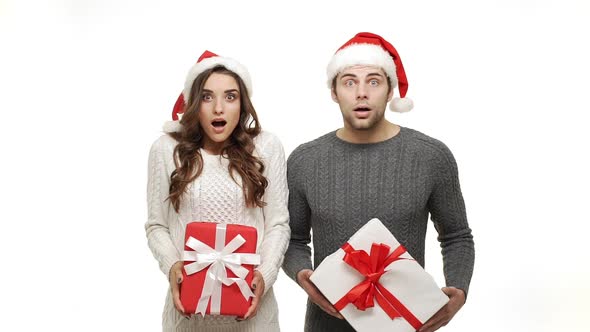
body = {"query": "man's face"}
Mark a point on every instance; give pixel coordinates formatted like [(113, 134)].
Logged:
[(362, 92)]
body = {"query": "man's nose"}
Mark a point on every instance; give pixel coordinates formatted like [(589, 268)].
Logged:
[(361, 91)]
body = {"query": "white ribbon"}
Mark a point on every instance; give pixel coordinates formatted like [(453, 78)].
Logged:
[(218, 260)]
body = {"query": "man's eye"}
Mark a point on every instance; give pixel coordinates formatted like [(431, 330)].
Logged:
[(374, 82), (349, 83)]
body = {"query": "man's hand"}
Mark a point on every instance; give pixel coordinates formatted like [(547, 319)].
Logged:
[(175, 279), (258, 290), (446, 313), (314, 294)]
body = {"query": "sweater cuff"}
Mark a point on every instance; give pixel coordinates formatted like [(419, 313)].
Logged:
[(464, 288), (166, 265), (269, 275), (292, 268), (460, 281)]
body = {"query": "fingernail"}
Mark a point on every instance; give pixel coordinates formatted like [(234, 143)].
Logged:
[(254, 286), (178, 280)]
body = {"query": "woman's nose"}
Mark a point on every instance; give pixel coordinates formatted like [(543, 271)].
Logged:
[(218, 109)]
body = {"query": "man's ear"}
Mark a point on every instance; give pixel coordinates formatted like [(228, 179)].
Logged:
[(334, 95)]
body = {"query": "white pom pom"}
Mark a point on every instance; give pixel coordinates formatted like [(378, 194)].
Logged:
[(171, 126), (401, 105)]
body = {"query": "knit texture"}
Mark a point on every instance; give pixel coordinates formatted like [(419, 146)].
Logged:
[(335, 187), (214, 196)]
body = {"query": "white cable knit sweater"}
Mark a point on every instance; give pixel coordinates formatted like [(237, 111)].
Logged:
[(214, 196)]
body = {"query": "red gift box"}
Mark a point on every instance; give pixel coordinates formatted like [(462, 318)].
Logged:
[(218, 268)]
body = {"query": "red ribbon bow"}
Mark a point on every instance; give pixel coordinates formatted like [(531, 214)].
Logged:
[(373, 267)]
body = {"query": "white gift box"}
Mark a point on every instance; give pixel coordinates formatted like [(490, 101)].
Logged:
[(405, 279)]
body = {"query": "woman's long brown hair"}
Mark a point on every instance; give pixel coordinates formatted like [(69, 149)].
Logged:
[(238, 148)]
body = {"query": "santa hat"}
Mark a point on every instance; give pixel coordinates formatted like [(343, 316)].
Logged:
[(206, 61), (370, 49)]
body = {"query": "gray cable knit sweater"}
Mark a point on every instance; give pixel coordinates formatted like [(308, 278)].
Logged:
[(335, 187)]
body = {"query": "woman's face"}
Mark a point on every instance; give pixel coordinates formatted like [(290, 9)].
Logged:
[(219, 110)]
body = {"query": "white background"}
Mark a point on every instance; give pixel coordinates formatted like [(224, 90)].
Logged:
[(86, 85)]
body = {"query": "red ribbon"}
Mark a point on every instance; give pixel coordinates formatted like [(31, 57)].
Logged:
[(373, 267)]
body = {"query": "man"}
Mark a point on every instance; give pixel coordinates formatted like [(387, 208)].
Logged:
[(373, 168)]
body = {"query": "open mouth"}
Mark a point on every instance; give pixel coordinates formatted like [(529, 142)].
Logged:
[(219, 123), (362, 112)]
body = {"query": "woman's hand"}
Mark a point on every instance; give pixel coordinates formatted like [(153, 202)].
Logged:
[(175, 279), (258, 290)]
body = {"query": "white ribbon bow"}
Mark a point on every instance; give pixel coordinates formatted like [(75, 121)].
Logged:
[(218, 260)]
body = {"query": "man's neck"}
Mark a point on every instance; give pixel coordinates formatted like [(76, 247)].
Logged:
[(384, 131)]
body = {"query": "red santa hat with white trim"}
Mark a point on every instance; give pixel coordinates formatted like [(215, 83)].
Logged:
[(206, 61), (370, 49)]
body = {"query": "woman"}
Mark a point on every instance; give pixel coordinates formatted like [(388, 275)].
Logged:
[(215, 164)]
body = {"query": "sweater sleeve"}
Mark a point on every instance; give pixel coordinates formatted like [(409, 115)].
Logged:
[(447, 210), (276, 215), (298, 255), (160, 212)]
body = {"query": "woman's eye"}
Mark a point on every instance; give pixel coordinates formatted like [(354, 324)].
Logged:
[(231, 96), (206, 97)]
